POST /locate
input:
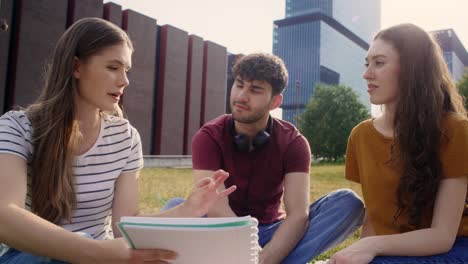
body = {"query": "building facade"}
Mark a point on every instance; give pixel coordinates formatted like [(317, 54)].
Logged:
[(324, 41), (177, 82), (455, 54)]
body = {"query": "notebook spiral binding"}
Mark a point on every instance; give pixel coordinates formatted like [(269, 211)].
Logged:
[(255, 247)]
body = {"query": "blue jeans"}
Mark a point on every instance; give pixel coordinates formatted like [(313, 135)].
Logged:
[(14, 256), (332, 219), (457, 255)]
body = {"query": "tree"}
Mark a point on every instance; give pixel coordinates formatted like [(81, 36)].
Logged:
[(328, 119), (463, 87)]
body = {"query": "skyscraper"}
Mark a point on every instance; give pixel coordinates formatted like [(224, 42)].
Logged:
[(324, 41), (455, 54)]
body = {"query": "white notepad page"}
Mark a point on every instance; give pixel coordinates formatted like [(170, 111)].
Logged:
[(230, 240)]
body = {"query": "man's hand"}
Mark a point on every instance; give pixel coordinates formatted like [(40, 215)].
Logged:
[(205, 193)]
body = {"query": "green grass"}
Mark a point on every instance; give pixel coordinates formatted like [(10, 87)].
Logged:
[(158, 185)]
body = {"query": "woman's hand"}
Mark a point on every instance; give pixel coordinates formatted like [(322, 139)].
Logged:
[(116, 251), (206, 193), (361, 252)]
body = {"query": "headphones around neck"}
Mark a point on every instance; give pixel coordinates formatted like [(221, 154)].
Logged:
[(241, 141)]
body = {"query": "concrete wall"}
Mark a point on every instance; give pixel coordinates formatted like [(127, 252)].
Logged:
[(79, 9), (168, 161), (173, 90), (214, 81), (6, 25), (193, 91), (139, 97), (172, 81), (39, 25), (113, 13)]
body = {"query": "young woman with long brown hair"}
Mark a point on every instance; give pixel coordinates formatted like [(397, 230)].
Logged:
[(70, 161), (412, 161)]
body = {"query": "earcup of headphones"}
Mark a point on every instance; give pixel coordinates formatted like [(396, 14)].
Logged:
[(260, 139), (241, 142)]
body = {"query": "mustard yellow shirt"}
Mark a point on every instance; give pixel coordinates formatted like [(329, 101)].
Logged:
[(366, 163)]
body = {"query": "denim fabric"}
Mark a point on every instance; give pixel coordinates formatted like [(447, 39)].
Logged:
[(14, 256), (172, 203), (332, 219), (457, 255)]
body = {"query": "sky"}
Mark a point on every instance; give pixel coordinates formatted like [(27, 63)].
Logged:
[(245, 26)]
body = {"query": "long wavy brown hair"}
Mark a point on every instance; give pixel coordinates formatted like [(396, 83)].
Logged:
[(427, 93), (55, 129)]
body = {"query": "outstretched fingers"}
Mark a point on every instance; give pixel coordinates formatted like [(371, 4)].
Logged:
[(220, 174), (204, 182), (213, 184), (219, 177), (228, 191)]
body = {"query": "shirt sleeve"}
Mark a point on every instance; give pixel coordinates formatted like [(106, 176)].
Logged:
[(298, 156), (15, 135), (351, 164), (454, 150), (135, 159), (206, 154)]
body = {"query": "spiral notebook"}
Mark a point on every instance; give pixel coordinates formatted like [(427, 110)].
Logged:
[(227, 240)]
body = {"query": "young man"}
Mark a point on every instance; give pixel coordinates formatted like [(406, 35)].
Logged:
[(266, 159)]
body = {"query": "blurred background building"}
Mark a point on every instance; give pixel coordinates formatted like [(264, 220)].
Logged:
[(455, 54), (324, 41)]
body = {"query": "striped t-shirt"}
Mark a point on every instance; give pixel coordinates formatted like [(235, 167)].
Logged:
[(117, 150)]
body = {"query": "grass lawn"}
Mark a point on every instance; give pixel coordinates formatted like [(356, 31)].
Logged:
[(158, 185)]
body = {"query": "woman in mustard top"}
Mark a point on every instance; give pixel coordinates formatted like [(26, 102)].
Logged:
[(411, 161)]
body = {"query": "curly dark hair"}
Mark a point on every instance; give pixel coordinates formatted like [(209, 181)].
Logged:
[(427, 93), (262, 67)]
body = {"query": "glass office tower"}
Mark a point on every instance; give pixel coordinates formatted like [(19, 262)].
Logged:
[(324, 41), (455, 54)]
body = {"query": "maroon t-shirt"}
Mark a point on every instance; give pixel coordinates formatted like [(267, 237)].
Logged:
[(258, 174)]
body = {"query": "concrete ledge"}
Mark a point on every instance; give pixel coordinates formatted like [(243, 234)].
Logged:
[(168, 161)]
